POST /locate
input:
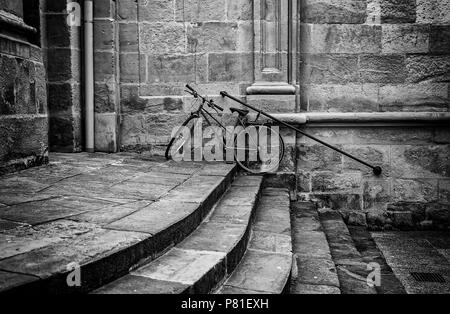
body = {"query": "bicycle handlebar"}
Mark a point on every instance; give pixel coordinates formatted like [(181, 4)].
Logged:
[(211, 103)]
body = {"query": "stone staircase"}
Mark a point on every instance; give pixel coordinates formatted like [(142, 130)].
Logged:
[(243, 246), (134, 226)]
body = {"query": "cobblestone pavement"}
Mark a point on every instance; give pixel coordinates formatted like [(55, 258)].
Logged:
[(420, 260)]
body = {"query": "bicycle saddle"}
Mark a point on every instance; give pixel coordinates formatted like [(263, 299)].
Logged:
[(241, 112)]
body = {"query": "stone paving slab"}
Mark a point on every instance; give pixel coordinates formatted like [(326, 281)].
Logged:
[(314, 289), (10, 280)]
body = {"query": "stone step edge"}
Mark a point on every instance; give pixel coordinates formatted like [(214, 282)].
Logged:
[(217, 273), (127, 257), (287, 276)]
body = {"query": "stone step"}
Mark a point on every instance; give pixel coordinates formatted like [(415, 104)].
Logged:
[(267, 263), (102, 239), (203, 259)]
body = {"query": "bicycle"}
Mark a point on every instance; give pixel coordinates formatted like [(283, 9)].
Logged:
[(250, 145)]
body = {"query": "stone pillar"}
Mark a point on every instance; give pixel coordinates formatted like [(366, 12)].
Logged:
[(275, 56), (106, 56), (64, 75)]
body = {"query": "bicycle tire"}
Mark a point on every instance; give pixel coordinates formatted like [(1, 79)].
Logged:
[(172, 140), (239, 162)]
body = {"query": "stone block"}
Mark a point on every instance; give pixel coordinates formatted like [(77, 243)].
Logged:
[(416, 210), (104, 8), (130, 68), (377, 155), (405, 38), (273, 103), (433, 11), (104, 35), (339, 201), (200, 11), (398, 11), (162, 38), (177, 68), (241, 10), (65, 65), (212, 36), (230, 67), (329, 68), (319, 158), (354, 218), (418, 190), (444, 191), (340, 98), (128, 37), (438, 213), (348, 38), (127, 10), (333, 182), (104, 66), (375, 193), (64, 98), (106, 136), (382, 68), (333, 11), (245, 34), (427, 68), (414, 97), (156, 11), (105, 97), (58, 31), (401, 220), (440, 38), (420, 161)]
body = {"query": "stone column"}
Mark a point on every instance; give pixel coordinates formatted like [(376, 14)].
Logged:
[(275, 45)]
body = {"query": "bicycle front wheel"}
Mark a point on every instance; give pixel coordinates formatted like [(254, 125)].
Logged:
[(177, 143)]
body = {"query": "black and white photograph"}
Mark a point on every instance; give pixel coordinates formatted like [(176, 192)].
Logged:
[(224, 155)]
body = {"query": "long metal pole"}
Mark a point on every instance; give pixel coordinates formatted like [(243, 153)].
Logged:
[(376, 169)]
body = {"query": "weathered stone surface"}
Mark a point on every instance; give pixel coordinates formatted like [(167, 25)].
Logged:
[(128, 37), (427, 68), (130, 284), (239, 10), (351, 39), (177, 68), (65, 65), (375, 193), (317, 272), (329, 68), (438, 213), (58, 32), (197, 11), (104, 9), (420, 190), (311, 243), (382, 68), (314, 289), (433, 11), (212, 36), (104, 66), (353, 279), (12, 280), (262, 271), (104, 35), (127, 10), (318, 157), (414, 97), (377, 155), (339, 201), (230, 67), (332, 182), (162, 38), (439, 39), (354, 218), (405, 38), (420, 161), (333, 11), (183, 266), (340, 98), (444, 191), (156, 11), (151, 218), (398, 11), (271, 242), (273, 104)]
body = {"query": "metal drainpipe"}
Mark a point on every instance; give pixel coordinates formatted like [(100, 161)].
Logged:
[(89, 74)]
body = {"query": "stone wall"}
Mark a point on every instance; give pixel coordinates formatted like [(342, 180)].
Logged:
[(166, 44), (23, 95), (377, 56)]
